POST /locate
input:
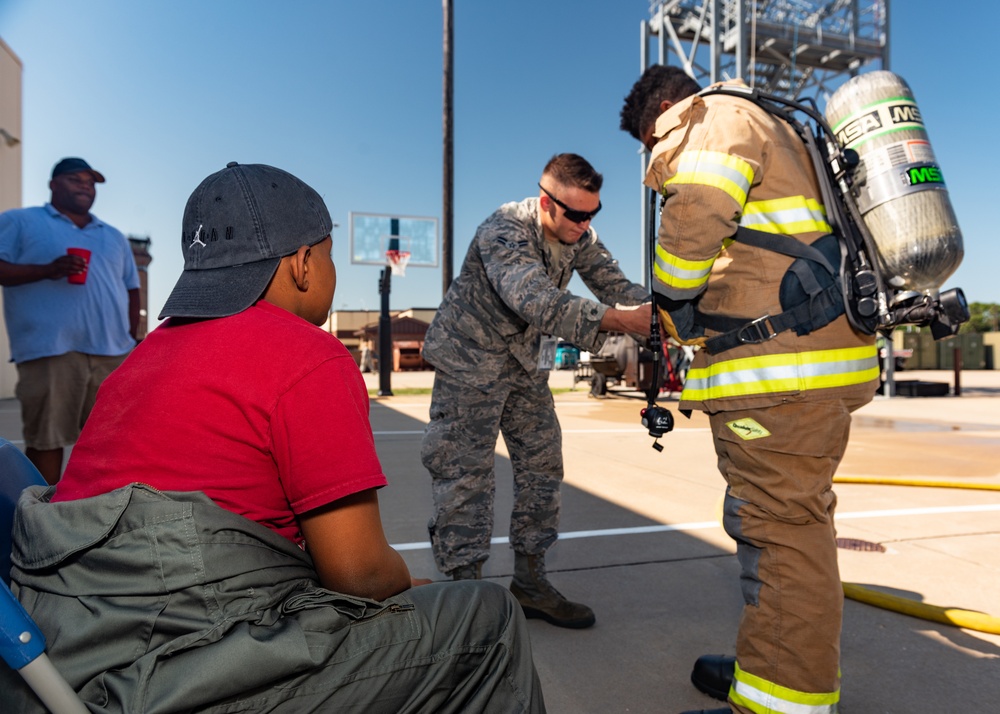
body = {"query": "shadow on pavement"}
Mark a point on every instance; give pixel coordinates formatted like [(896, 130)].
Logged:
[(662, 599)]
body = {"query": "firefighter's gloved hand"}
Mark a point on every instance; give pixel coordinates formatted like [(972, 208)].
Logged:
[(678, 322)]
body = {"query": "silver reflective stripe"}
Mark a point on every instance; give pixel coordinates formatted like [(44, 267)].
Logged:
[(787, 217), (764, 703), (779, 373), (702, 163), (682, 274)]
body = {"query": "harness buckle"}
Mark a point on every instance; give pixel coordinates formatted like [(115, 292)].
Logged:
[(756, 331)]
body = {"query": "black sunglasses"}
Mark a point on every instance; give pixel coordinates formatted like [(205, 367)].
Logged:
[(571, 213)]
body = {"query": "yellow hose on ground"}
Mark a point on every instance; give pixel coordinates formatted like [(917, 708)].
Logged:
[(968, 619), (916, 482)]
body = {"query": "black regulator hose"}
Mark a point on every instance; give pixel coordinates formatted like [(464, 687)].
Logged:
[(656, 419)]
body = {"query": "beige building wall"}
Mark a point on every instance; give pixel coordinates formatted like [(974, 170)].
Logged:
[(992, 339), (10, 179), (344, 323)]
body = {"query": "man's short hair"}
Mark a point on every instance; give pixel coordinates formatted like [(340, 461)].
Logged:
[(575, 171), (657, 84)]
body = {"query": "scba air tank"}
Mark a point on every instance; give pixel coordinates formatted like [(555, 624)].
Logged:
[(899, 187)]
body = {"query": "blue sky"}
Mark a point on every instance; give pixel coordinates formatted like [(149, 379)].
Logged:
[(347, 96)]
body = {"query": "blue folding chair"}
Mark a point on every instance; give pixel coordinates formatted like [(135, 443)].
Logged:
[(22, 644)]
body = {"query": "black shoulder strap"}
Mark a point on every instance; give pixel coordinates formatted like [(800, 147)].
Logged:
[(842, 213), (779, 243), (833, 171)]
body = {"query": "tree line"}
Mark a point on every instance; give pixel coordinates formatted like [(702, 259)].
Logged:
[(983, 317)]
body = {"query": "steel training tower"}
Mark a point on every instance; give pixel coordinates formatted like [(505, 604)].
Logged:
[(793, 48)]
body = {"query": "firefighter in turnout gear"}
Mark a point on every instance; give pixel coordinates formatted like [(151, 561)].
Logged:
[(779, 403), (492, 344)]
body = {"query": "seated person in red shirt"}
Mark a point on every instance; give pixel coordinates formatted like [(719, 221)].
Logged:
[(288, 597)]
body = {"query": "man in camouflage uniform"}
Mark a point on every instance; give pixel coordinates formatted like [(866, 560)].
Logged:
[(499, 317), (779, 400)]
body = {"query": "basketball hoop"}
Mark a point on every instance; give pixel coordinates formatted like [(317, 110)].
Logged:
[(397, 261)]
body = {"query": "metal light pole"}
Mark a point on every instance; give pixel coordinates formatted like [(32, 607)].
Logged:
[(385, 355), (447, 218)]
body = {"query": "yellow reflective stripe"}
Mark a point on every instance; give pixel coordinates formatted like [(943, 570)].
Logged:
[(786, 372), (681, 274), (764, 697), (717, 169), (788, 216)]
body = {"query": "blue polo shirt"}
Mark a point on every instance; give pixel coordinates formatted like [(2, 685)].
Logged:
[(53, 317)]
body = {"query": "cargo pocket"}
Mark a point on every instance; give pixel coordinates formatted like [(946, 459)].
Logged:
[(353, 625)]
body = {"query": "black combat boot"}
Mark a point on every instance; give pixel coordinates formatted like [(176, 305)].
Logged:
[(539, 599)]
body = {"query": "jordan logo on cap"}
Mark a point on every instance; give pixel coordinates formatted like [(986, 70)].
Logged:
[(197, 238)]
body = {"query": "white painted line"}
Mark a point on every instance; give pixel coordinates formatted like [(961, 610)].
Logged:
[(704, 525)]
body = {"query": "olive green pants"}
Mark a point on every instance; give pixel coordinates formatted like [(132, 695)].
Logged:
[(163, 602)]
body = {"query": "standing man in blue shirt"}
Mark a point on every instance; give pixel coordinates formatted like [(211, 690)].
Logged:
[(70, 322)]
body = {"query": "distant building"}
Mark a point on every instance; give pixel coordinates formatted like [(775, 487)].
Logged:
[(358, 330), (11, 71), (407, 344), (344, 325), (140, 251)]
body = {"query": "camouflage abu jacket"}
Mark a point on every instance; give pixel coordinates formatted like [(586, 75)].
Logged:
[(511, 291)]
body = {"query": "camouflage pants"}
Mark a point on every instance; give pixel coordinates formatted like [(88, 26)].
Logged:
[(458, 449)]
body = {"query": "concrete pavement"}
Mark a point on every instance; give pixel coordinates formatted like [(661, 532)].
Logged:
[(642, 545)]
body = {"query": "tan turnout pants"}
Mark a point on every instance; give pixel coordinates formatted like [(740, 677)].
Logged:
[(779, 464)]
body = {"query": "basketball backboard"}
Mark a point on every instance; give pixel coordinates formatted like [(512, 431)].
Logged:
[(373, 234)]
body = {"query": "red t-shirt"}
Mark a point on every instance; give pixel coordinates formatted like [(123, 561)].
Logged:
[(262, 411)]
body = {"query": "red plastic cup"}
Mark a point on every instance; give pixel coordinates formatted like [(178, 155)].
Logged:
[(79, 278)]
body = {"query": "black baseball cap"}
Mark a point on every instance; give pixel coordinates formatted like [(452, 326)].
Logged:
[(74, 165), (238, 225)]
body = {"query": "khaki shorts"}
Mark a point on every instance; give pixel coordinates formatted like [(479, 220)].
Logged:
[(57, 394)]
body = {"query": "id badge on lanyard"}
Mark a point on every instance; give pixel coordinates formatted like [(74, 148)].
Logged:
[(547, 353)]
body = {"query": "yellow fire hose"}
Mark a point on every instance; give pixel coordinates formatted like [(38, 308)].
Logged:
[(967, 619), (916, 482)]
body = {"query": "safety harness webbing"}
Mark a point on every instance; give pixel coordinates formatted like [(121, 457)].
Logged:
[(803, 318), (815, 311)]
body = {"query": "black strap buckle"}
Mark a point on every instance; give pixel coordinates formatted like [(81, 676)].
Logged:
[(756, 331)]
